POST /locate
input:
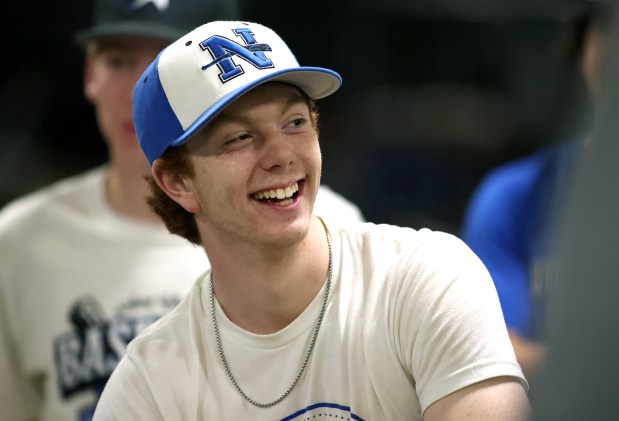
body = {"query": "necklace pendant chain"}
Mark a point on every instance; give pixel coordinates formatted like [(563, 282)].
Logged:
[(310, 349)]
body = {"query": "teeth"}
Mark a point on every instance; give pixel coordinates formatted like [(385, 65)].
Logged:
[(278, 193)]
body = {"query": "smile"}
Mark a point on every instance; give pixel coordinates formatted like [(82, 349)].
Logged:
[(283, 196)]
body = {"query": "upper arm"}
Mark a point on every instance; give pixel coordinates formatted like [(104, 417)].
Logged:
[(496, 399)]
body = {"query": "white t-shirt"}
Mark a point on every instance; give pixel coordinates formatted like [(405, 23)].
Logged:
[(412, 316), (77, 283)]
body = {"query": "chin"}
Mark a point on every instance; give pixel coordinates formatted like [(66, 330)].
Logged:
[(298, 230), (290, 234)]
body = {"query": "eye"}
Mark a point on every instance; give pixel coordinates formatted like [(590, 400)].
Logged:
[(297, 122), (119, 62), (237, 139)]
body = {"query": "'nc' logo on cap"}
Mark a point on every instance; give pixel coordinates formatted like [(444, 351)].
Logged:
[(222, 49)]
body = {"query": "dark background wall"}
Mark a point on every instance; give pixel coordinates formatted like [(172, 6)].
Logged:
[(435, 93)]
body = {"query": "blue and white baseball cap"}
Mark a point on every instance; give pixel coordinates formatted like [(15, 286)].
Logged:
[(198, 75)]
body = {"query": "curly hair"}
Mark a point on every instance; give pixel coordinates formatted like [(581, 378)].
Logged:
[(176, 219), (176, 160)]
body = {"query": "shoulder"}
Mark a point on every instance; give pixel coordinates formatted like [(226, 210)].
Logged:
[(43, 202), (517, 176), (399, 236), (426, 258), (524, 173), (403, 247), (152, 377), (163, 340), (405, 268), (509, 193)]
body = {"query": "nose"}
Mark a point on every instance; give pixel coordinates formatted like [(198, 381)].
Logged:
[(277, 151)]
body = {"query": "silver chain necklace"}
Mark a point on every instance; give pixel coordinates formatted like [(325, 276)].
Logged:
[(220, 347)]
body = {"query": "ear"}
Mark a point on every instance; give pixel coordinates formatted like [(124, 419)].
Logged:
[(178, 188)]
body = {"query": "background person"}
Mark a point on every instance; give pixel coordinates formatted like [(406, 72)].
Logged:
[(299, 318), (578, 379), (513, 216), (84, 263)]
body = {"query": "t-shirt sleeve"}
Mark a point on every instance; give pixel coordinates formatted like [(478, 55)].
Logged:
[(450, 313)]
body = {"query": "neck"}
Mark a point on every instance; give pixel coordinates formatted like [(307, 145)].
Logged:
[(126, 192), (263, 294)]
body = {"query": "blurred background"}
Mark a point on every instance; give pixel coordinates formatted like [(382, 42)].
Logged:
[(435, 94)]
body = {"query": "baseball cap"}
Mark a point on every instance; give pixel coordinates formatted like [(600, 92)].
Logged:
[(197, 76), (162, 19)]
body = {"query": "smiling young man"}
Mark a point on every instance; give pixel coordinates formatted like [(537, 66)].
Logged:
[(84, 263), (298, 318)]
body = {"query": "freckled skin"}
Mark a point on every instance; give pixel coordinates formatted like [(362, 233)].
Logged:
[(271, 145)]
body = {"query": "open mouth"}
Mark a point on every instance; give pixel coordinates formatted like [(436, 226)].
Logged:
[(282, 196)]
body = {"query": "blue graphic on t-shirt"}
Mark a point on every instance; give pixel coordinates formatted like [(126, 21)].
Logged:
[(323, 410), (86, 355)]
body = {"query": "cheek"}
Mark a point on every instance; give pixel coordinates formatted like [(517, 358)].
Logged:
[(93, 90), (106, 95), (316, 153), (105, 89), (205, 184)]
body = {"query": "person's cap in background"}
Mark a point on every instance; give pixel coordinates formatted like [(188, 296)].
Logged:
[(202, 72), (161, 19)]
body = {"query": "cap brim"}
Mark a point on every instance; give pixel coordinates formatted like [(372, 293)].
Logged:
[(128, 28), (316, 82)]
